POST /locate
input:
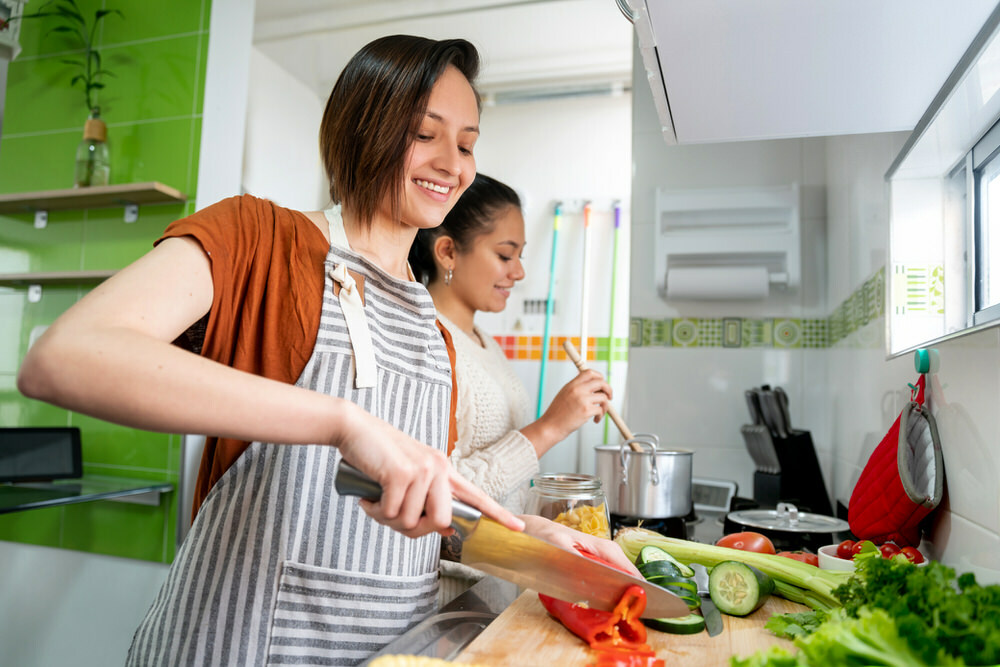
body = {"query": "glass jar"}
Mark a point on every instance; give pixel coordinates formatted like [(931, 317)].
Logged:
[(572, 499)]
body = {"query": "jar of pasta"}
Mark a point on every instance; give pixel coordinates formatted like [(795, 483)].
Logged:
[(572, 499)]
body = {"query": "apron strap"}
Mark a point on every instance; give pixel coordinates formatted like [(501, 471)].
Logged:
[(353, 307)]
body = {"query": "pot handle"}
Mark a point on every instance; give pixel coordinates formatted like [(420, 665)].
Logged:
[(637, 444)]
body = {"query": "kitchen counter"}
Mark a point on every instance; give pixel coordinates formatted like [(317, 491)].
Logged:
[(494, 623)]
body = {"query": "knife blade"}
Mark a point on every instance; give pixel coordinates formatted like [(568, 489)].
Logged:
[(711, 613), (529, 561)]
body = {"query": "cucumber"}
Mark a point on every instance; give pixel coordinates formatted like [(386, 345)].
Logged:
[(738, 589), (651, 553), (681, 625)]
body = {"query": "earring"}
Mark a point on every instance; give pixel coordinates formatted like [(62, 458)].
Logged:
[(447, 277)]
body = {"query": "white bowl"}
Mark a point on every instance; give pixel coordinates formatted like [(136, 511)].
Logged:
[(828, 559)]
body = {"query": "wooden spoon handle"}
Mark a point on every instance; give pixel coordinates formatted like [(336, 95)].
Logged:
[(615, 417)]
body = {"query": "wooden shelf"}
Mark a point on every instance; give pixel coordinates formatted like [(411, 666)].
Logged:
[(54, 277), (102, 196)]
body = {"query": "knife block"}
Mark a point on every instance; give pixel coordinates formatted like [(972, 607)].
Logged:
[(800, 480)]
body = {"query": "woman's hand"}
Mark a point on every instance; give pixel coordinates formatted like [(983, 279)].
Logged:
[(418, 482), (584, 397), (574, 540)]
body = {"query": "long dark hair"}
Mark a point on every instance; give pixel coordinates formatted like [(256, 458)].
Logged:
[(473, 215), (375, 110)]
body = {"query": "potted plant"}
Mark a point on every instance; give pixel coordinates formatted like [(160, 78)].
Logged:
[(88, 72)]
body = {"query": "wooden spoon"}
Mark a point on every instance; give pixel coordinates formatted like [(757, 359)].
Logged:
[(615, 417)]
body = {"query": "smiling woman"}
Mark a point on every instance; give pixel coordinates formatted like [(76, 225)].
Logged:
[(311, 342)]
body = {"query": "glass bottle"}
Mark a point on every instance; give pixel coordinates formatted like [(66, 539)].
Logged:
[(93, 166), (572, 499)]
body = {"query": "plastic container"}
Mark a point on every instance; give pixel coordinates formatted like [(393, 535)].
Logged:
[(572, 499)]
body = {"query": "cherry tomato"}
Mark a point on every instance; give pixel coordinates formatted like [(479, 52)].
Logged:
[(845, 549), (889, 550), (856, 549), (801, 556), (912, 554), (747, 541)]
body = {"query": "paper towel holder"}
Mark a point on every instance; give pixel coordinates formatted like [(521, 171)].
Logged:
[(718, 229)]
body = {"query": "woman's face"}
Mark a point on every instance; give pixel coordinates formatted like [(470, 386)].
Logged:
[(485, 273), (439, 162)]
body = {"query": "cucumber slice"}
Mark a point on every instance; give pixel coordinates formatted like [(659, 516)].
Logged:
[(678, 585), (660, 568), (682, 625), (738, 589), (650, 553)]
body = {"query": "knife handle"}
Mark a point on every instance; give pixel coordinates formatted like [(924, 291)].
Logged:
[(349, 481)]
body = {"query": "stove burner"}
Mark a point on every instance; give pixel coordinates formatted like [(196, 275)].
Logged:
[(671, 526)]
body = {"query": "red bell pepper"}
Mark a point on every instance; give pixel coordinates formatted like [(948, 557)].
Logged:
[(618, 636), (598, 628)]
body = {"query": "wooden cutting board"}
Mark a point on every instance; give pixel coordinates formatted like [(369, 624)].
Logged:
[(524, 635)]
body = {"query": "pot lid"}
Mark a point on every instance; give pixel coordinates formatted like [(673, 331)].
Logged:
[(787, 517)]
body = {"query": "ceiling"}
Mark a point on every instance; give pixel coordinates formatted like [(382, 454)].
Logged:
[(721, 70), (526, 45)]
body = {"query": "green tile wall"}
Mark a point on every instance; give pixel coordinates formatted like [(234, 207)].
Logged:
[(864, 305), (152, 107)]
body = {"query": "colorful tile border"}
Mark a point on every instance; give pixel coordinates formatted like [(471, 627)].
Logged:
[(864, 305), (529, 348)]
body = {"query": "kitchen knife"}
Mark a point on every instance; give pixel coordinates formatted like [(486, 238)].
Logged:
[(711, 613), (753, 405), (782, 399), (528, 561)]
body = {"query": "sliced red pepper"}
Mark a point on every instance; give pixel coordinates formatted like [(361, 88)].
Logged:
[(627, 658), (619, 628)]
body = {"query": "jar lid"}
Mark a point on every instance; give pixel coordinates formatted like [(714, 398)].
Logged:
[(788, 518), (566, 483)]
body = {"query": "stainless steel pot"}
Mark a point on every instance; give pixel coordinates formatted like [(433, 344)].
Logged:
[(652, 483)]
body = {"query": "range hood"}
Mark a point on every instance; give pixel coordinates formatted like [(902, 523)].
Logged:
[(728, 70)]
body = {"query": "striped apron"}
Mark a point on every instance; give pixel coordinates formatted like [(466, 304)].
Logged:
[(278, 569)]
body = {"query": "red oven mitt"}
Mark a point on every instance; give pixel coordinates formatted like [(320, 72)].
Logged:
[(903, 479)]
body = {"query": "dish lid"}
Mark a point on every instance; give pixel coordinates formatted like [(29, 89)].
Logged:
[(787, 517)]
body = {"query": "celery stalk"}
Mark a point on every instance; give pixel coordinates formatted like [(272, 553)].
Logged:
[(817, 584)]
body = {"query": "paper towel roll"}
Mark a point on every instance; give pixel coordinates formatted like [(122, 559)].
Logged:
[(728, 283)]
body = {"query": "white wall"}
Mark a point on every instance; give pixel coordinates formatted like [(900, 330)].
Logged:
[(866, 391), (281, 159), (568, 150), (693, 397)]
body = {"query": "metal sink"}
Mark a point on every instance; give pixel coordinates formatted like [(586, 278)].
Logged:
[(445, 634)]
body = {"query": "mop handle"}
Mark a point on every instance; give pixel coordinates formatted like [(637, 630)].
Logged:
[(619, 422), (585, 283), (614, 290), (548, 313)]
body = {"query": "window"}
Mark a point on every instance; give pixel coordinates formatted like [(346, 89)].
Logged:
[(944, 220), (986, 162)]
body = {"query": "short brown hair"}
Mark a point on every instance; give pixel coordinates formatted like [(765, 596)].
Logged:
[(375, 110)]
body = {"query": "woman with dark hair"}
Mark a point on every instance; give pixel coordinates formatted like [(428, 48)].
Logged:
[(470, 263), (313, 344)]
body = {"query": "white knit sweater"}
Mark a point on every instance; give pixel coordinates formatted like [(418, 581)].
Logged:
[(490, 451), (492, 404)]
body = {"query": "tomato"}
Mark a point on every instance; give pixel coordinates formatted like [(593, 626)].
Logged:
[(912, 554), (889, 550), (801, 556), (845, 549), (747, 541), (856, 549)]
